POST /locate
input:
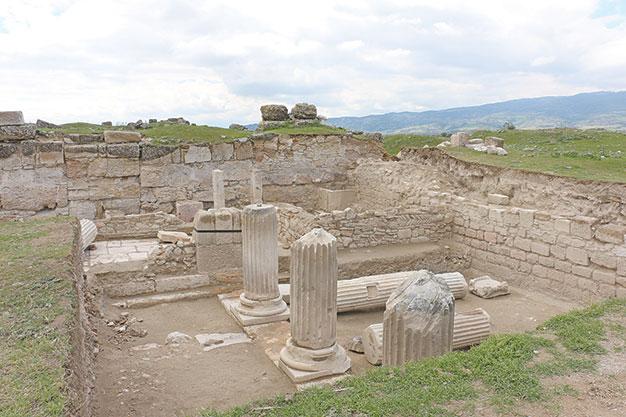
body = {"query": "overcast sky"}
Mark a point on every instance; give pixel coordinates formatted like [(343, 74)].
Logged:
[(217, 61)]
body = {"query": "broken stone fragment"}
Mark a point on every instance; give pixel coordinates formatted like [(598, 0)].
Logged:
[(177, 338), (356, 345), (487, 287), (216, 340), (494, 141), (168, 236)]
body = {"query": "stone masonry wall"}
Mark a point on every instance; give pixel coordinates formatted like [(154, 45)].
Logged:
[(576, 256), (368, 228), (88, 179)]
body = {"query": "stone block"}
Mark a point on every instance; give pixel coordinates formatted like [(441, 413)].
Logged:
[(123, 150), (274, 112), (581, 226), (499, 199), (577, 255), (459, 139), (562, 225), (611, 233), (121, 167), (222, 151), (198, 154), (494, 141), (540, 248), (522, 243), (582, 271), (329, 200), (487, 287), (11, 118), (169, 236), (304, 111), (607, 277), (604, 259), (186, 210), (526, 218), (121, 136), (18, 132)]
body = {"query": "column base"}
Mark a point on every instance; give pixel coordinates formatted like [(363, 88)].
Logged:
[(303, 364), (250, 312)]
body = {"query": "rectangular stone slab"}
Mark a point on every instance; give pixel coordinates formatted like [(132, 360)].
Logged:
[(11, 118)]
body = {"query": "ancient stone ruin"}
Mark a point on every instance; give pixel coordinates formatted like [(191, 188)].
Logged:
[(277, 260)]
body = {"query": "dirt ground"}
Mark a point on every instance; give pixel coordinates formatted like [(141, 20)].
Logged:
[(142, 376)]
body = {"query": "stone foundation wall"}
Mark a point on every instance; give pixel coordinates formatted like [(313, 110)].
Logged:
[(576, 256), (354, 229), (87, 179)]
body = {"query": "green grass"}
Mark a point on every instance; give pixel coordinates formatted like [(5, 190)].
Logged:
[(504, 371), (35, 290), (583, 154)]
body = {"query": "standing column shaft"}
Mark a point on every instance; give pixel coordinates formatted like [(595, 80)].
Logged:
[(219, 199), (260, 252), (256, 187), (313, 291), (312, 350)]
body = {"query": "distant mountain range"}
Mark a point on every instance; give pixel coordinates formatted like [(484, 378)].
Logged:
[(586, 110)]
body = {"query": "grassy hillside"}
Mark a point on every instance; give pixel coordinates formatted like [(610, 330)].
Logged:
[(503, 374), (587, 110), (583, 154), (36, 297)]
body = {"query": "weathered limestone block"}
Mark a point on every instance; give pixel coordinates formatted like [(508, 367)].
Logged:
[(170, 236), (260, 301), (198, 154), (500, 199), (304, 111), (487, 287), (274, 113), (121, 136), (494, 141), (186, 210), (470, 328), (611, 233), (88, 232), (11, 118), (418, 320), (18, 132), (217, 235), (459, 139), (312, 350), (330, 200)]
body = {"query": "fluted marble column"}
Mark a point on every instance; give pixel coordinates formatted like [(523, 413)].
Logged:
[(418, 320), (260, 298), (470, 328), (312, 350)]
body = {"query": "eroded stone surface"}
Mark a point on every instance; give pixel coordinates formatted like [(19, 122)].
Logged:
[(418, 320), (487, 287)]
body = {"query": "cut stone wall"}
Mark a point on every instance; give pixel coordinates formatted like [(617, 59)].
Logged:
[(130, 178), (355, 229), (576, 256)]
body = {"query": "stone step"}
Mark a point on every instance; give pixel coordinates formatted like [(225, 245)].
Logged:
[(143, 285), (147, 300)]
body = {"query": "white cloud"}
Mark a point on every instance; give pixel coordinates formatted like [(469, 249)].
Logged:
[(218, 61)]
